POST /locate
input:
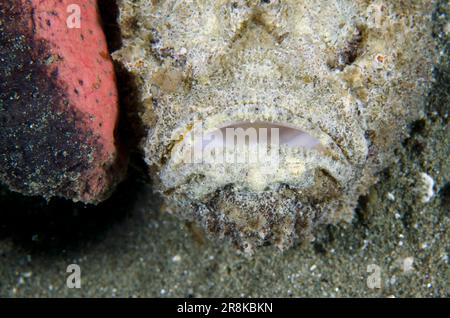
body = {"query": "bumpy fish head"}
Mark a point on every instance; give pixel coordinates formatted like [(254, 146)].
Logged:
[(267, 117)]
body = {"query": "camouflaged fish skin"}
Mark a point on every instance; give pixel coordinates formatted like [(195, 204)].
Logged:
[(350, 74)]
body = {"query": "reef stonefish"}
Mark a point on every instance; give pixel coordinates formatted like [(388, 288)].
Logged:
[(330, 85)]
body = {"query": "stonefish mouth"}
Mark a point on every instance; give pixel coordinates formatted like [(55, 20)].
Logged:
[(254, 156), (260, 132)]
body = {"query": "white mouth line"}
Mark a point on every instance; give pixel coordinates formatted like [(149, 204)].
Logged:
[(290, 135)]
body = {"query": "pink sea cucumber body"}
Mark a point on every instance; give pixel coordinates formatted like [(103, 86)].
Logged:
[(73, 75)]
